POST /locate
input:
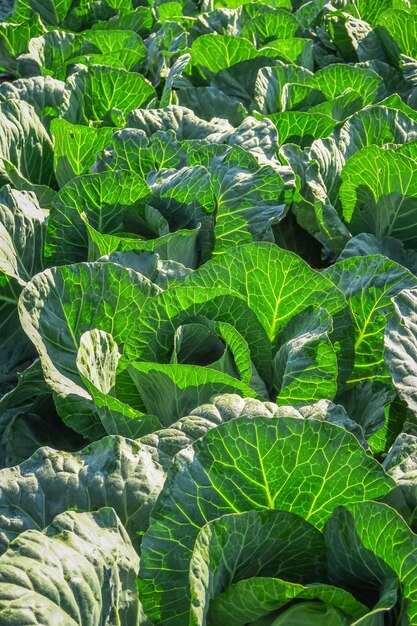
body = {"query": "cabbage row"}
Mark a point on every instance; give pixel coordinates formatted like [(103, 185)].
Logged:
[(208, 313)]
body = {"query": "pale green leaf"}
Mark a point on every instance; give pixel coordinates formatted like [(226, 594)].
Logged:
[(55, 578)]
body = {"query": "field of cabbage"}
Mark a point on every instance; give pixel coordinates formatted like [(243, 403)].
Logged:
[(208, 313)]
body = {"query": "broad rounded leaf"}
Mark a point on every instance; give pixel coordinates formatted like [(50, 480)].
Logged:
[(259, 596), (106, 197), (334, 79), (254, 543), (94, 93), (301, 127), (376, 125), (113, 471), (302, 466), (401, 346), (365, 243), (371, 541), (152, 337), (172, 391), (58, 305), (25, 150), (219, 52), (80, 570), (97, 360), (22, 234), (379, 194), (276, 284), (305, 365), (369, 283), (223, 408), (52, 12), (75, 148)]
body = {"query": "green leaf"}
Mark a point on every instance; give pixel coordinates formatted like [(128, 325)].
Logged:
[(25, 149), (222, 408), (219, 52), (276, 284), (184, 123), (88, 13), (97, 359), (29, 387), (52, 52), (342, 107), (180, 246), (334, 79), (169, 10), (200, 344), (93, 94), (309, 613), (14, 39), (58, 305), (248, 202), (376, 125), (369, 283), (264, 25), (320, 169), (372, 537), (305, 365), (301, 127), (235, 4), (259, 595), (124, 46), (247, 545), (318, 178), (366, 404), (152, 337), (172, 391), (44, 93), (260, 138), (379, 194), (242, 358), (217, 345), (398, 31), (226, 407), (52, 12), (400, 464), (174, 73), (24, 429), (268, 553), (395, 101), (209, 102), (54, 577), (105, 198), (401, 346), (295, 50), (327, 411), (124, 59), (22, 234), (368, 11), (187, 186), (75, 148), (365, 243), (354, 39), (288, 464), (272, 82), (162, 273), (22, 224), (130, 149), (117, 471), (140, 20)]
